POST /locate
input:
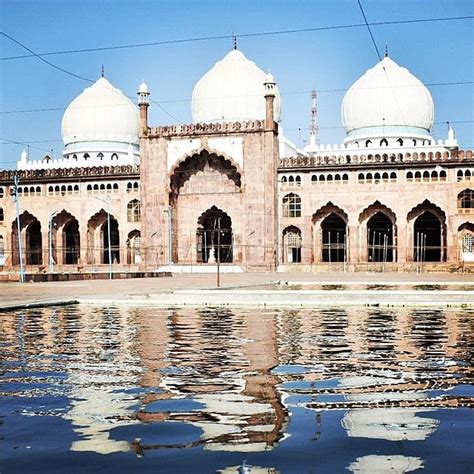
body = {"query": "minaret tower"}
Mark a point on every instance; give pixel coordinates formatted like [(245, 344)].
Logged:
[(314, 128), (143, 104)]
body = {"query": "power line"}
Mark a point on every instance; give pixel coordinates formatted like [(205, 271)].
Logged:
[(44, 60), (370, 31), (243, 35), (173, 101)]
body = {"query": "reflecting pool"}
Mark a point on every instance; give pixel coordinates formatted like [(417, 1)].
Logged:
[(236, 391)]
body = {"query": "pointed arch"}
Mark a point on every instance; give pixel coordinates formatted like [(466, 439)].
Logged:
[(374, 208), (327, 209), (292, 243), (190, 164)]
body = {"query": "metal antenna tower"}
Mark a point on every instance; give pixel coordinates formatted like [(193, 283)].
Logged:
[(314, 128)]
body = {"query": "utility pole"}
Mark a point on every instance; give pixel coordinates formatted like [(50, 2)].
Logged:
[(314, 127), (218, 252), (50, 222), (14, 194)]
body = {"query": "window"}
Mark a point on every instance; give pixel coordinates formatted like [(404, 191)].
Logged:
[(314, 179), (400, 142), (133, 211), (426, 176), (417, 176), (467, 243), (466, 199), (114, 156), (442, 175), (283, 181), (383, 142), (86, 156), (368, 178), (360, 178), (2, 216), (100, 155), (393, 177), (2, 193), (345, 178), (329, 178), (116, 187), (459, 175), (434, 176), (291, 181), (38, 190), (337, 178), (385, 177), (368, 143), (467, 175), (135, 186), (50, 190), (291, 205), (76, 189), (414, 142), (298, 181)]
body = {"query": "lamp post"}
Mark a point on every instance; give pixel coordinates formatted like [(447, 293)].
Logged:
[(107, 201), (169, 212), (50, 223), (14, 194)]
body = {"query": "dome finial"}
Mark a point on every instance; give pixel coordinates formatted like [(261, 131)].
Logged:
[(102, 74), (234, 40), (386, 50)]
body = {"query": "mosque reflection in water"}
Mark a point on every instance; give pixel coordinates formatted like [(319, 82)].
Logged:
[(144, 381)]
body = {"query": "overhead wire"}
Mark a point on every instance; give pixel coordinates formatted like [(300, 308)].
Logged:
[(242, 35)]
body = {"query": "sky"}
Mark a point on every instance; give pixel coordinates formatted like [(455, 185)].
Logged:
[(436, 52)]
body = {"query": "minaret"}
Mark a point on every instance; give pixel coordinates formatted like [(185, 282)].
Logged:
[(269, 99), (143, 104)]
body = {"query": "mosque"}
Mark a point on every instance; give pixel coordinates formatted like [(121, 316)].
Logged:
[(231, 190)]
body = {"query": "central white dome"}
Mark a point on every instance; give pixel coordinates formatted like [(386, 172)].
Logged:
[(232, 91), (387, 98), (101, 113)]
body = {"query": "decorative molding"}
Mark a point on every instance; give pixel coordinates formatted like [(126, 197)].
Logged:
[(453, 156), (54, 174), (196, 129)]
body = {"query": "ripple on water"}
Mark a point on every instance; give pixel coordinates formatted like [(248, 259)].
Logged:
[(257, 385)]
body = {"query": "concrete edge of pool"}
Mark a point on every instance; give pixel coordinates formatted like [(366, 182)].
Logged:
[(240, 297)]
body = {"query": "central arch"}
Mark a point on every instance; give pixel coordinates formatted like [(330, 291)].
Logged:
[(214, 239)]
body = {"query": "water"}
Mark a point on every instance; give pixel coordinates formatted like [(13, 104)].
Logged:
[(87, 389)]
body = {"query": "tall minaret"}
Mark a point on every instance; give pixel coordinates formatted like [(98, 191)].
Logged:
[(143, 104)]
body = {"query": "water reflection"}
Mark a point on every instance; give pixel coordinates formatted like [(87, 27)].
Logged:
[(256, 385)]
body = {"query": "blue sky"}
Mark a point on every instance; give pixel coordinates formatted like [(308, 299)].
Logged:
[(435, 52)]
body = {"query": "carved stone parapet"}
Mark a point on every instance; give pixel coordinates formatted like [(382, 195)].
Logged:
[(7, 176), (206, 129), (389, 159)]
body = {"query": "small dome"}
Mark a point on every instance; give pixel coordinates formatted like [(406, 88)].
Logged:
[(387, 97), (101, 113), (232, 91), (143, 88)]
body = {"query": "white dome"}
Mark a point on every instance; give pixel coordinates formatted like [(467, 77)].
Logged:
[(232, 91), (101, 113), (387, 99)]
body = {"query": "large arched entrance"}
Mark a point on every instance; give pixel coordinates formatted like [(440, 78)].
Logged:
[(334, 238), (114, 241), (214, 240), (427, 238), (380, 238)]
